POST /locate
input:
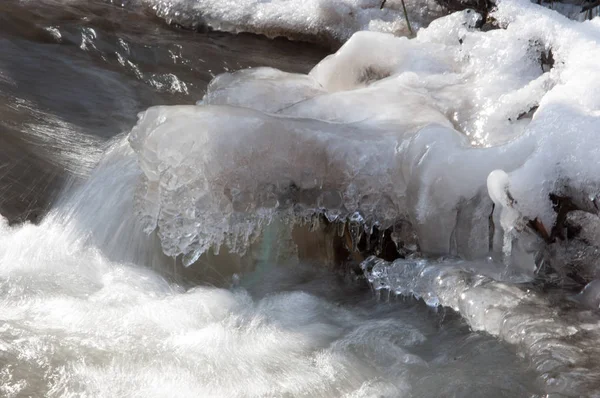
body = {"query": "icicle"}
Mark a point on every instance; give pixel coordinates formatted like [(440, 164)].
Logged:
[(356, 229)]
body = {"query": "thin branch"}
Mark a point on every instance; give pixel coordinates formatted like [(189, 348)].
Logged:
[(587, 7), (406, 17)]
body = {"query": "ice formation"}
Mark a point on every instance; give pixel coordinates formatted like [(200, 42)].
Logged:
[(562, 345), (324, 21), (389, 129), (477, 140)]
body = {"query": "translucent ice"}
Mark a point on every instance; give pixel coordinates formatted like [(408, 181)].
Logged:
[(561, 346)]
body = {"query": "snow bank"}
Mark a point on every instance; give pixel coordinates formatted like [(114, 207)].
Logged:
[(329, 21)]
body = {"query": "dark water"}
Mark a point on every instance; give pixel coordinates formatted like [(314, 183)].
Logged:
[(74, 74)]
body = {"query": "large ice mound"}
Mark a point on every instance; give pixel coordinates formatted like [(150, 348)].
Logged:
[(465, 134)]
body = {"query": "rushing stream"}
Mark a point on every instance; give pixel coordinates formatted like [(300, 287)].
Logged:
[(225, 242)]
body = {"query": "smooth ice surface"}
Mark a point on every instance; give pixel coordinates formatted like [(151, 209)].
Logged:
[(328, 21)]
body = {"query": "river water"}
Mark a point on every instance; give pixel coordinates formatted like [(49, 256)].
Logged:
[(88, 304)]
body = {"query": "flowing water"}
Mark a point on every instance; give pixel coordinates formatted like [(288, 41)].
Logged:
[(74, 74), (90, 306)]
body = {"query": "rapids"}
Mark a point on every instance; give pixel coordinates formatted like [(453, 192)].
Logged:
[(225, 244)]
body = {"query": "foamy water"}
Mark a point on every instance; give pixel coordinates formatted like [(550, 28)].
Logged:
[(76, 324)]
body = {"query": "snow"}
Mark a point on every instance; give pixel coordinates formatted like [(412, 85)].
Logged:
[(324, 21)]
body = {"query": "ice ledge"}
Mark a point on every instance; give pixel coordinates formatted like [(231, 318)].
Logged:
[(562, 344)]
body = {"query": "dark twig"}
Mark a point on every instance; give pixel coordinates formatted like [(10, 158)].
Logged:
[(587, 7), (406, 17)]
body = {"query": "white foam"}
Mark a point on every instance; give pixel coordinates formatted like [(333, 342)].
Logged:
[(75, 323)]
